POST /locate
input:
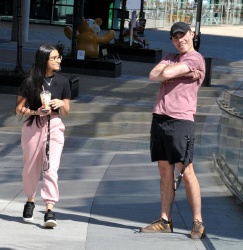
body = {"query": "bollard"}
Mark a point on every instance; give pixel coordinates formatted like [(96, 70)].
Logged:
[(74, 86), (207, 79)]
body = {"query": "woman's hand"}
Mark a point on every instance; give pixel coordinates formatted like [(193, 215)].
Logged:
[(42, 111), (56, 103)]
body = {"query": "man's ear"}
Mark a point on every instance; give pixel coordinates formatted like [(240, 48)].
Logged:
[(193, 33)]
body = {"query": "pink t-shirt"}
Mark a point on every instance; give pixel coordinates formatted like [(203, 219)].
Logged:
[(178, 98)]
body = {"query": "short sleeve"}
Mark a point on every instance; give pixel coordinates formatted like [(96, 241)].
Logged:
[(66, 94), (23, 89), (195, 62), (170, 58)]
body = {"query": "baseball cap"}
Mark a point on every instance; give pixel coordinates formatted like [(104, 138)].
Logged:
[(179, 27)]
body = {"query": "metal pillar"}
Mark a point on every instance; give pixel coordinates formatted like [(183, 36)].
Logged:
[(25, 12), (196, 39), (141, 14), (25, 19), (124, 2), (78, 10), (19, 38)]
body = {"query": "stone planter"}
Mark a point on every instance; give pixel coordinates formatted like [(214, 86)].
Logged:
[(174, 18), (182, 18), (134, 54), (9, 84), (105, 67), (188, 19)]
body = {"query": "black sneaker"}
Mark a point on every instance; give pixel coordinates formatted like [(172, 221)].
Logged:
[(49, 219), (28, 211)]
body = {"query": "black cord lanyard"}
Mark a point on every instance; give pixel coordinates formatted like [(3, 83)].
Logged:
[(47, 162), (179, 178)]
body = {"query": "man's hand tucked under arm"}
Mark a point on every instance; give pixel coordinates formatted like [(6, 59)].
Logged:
[(195, 75)]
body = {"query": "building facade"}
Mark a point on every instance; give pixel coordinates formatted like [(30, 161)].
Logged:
[(214, 12), (158, 14)]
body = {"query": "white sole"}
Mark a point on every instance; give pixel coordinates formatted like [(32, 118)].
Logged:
[(27, 219), (50, 223)]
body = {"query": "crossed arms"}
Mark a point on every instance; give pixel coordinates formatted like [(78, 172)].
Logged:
[(163, 72)]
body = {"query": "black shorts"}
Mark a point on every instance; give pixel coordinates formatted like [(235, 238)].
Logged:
[(171, 139)]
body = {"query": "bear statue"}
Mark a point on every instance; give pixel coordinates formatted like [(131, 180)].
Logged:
[(88, 38)]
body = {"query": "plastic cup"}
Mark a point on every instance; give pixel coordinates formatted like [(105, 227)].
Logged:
[(45, 99)]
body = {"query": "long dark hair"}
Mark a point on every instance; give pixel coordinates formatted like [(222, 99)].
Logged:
[(34, 81)]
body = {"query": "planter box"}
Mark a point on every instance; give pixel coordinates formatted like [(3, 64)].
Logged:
[(208, 73), (135, 54), (105, 68), (10, 84)]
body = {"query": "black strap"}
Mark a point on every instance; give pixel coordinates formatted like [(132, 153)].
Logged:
[(179, 178), (47, 162)]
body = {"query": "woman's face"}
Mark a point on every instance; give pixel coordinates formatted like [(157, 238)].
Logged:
[(54, 61)]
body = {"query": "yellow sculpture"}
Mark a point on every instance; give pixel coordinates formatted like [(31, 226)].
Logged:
[(88, 38)]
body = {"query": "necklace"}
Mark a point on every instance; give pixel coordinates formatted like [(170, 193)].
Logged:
[(48, 83)]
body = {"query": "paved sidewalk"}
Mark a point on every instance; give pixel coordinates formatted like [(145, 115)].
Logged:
[(108, 186)]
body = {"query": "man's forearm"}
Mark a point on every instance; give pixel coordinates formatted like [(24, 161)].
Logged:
[(156, 73)]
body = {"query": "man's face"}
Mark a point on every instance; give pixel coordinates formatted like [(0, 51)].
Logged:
[(183, 41)]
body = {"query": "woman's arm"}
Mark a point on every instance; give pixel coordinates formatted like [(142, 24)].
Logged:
[(64, 105), (21, 108)]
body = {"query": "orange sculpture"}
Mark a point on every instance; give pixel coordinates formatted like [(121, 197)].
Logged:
[(88, 38)]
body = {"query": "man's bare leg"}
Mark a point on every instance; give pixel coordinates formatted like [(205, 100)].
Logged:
[(166, 188), (192, 191)]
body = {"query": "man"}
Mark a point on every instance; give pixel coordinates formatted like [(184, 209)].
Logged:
[(172, 129)]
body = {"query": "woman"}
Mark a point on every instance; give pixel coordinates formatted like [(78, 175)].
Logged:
[(42, 137)]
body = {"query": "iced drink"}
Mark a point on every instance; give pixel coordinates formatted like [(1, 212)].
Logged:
[(45, 99)]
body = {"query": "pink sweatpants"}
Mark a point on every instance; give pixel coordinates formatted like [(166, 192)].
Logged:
[(33, 142)]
